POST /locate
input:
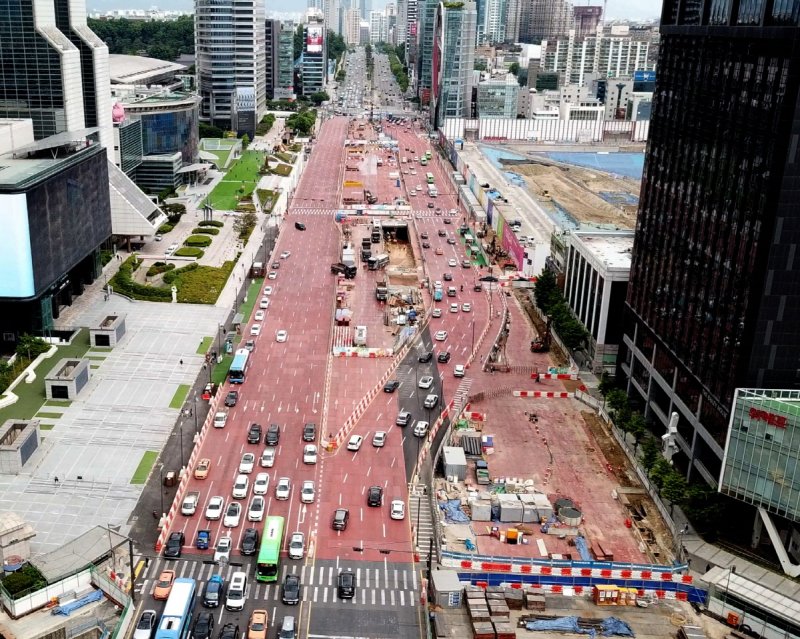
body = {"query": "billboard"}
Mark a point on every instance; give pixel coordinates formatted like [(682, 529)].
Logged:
[(412, 29), (314, 39)]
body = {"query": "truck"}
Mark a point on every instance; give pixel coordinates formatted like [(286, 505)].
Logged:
[(369, 197), (348, 255), (437, 295), (342, 269), (203, 540), (378, 262), (190, 502), (482, 473), (381, 290), (360, 336)]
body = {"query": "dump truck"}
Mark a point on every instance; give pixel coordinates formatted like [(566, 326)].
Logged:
[(190, 502), (203, 540), (482, 472), (381, 290)]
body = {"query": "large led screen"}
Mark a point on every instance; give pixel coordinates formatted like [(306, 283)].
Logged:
[(16, 266)]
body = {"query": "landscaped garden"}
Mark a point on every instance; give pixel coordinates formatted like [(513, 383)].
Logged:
[(239, 182)]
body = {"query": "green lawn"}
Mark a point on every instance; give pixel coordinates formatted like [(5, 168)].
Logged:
[(180, 396), (31, 396), (222, 156), (253, 294), (41, 415), (239, 181), (205, 344), (144, 467)]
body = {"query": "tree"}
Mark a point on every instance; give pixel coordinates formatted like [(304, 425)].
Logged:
[(616, 399), (637, 427), (674, 488), (210, 131), (545, 291), (479, 64), (659, 472), (245, 141), (514, 68), (319, 97), (298, 41), (161, 39), (606, 384), (651, 452), (245, 223), (571, 332)]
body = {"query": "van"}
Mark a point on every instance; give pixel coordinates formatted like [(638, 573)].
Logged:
[(236, 592), (451, 291)]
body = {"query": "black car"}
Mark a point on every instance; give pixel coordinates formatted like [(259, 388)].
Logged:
[(477, 288), (447, 277), (203, 626), (391, 386), (214, 592), (447, 220), (466, 264), (374, 496), (276, 265), (430, 205), (231, 398), (290, 590), (254, 434), (346, 585), (147, 625), (441, 233), (249, 544), (273, 435), (424, 235), (229, 631), (300, 226), (340, 518), (426, 245), (310, 432), (174, 545), (426, 357), (444, 357)]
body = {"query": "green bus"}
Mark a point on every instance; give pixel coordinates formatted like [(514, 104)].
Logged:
[(429, 177), (269, 555)]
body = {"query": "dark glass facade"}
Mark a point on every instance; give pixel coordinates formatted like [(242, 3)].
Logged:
[(714, 296)]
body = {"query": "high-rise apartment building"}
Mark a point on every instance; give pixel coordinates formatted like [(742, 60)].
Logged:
[(513, 15), (352, 27), (587, 19), (284, 85), (377, 26), (492, 28), (713, 303), (545, 20), (229, 41), (315, 55), (364, 7), (453, 61), (332, 11)]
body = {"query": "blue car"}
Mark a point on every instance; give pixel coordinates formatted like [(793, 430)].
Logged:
[(214, 592)]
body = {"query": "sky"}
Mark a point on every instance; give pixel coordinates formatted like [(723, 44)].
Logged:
[(631, 9)]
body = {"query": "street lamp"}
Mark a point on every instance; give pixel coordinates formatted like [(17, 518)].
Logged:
[(219, 343), (731, 569), (195, 412), (161, 487)]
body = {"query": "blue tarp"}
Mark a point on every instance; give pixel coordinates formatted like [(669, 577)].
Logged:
[(452, 512), (95, 595), (609, 627), (583, 549)]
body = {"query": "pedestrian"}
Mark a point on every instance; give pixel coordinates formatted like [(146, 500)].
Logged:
[(55, 479), (181, 362)]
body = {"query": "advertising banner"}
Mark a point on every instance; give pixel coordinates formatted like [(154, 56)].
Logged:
[(314, 39), (511, 244)]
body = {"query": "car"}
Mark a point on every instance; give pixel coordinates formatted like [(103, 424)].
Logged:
[(440, 336), (340, 518), (276, 265), (447, 221), (466, 307), (288, 628), (247, 463), (255, 329), (232, 515), (249, 543), (267, 290), (310, 432), (459, 370), (273, 275), (310, 454), (250, 345), (437, 312), (273, 435), (426, 357), (174, 546), (285, 254), (254, 434), (437, 284), (452, 262), (229, 631), (379, 438), (441, 233), (231, 398), (255, 511), (281, 336), (290, 589), (259, 316), (261, 484), (300, 226), (426, 245), (257, 626), (240, 487), (307, 492), (374, 496), (214, 508), (214, 590), (346, 585), (146, 626), (163, 585), (431, 400), (443, 357), (268, 457), (424, 235), (283, 488), (421, 429), (172, 248), (264, 303), (468, 264), (220, 419), (430, 205), (397, 510), (391, 386), (355, 442), (403, 418), (297, 544), (447, 277), (439, 250), (222, 551), (203, 626), (454, 308), (425, 382), (202, 468)]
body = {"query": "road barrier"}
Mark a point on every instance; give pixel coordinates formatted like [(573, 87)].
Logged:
[(543, 394)]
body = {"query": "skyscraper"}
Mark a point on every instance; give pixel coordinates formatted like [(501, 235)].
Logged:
[(364, 7), (453, 61), (426, 22), (315, 55), (494, 21), (272, 35), (284, 86), (713, 301), (587, 19), (229, 54), (545, 20)]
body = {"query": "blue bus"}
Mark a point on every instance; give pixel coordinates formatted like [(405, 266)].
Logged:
[(237, 370), (176, 621)]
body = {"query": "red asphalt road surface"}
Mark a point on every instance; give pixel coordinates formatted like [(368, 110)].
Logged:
[(321, 182)]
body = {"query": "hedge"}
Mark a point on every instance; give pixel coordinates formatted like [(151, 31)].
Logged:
[(159, 267), (169, 278), (189, 251), (165, 228), (216, 223), (197, 240), (203, 284), (123, 283), (208, 230)]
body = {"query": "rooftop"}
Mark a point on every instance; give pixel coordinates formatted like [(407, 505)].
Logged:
[(613, 248), (18, 173), (134, 69)]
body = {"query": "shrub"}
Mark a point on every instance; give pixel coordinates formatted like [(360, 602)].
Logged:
[(197, 240), (124, 284), (216, 223), (31, 346), (26, 580), (165, 228), (203, 284), (159, 267), (284, 157), (105, 257), (187, 251), (282, 169), (169, 278), (208, 230)]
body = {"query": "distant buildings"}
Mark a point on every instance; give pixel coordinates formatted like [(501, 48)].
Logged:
[(352, 27), (272, 37), (545, 20), (315, 56), (377, 27), (587, 19), (452, 61), (498, 98), (284, 82)]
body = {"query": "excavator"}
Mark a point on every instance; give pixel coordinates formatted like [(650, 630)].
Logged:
[(542, 343)]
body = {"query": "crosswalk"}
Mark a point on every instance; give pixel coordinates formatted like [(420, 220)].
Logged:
[(420, 213), (386, 585), (313, 211)]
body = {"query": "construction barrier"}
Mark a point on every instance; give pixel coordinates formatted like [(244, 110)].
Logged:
[(543, 394), (572, 376)]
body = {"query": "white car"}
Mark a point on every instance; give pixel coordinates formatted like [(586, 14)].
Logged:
[(421, 429), (466, 307), (267, 290), (255, 329), (437, 312), (261, 484), (283, 488), (232, 515), (437, 284), (268, 457), (240, 487), (255, 512), (285, 254), (440, 336), (220, 419), (214, 508), (247, 463), (273, 275), (259, 316), (452, 262), (310, 454), (223, 550), (425, 382), (281, 336), (459, 370), (297, 545), (355, 442), (307, 492), (264, 303), (454, 308), (397, 510), (379, 438)]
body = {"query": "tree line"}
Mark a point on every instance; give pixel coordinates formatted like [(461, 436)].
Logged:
[(161, 39)]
